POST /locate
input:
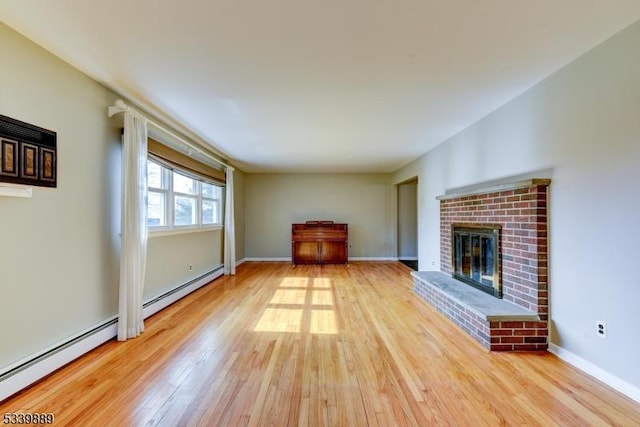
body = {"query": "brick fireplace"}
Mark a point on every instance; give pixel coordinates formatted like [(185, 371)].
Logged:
[(518, 321)]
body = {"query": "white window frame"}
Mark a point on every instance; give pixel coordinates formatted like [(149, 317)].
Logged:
[(170, 227)]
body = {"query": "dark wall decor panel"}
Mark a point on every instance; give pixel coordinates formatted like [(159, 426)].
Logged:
[(28, 154), (9, 155)]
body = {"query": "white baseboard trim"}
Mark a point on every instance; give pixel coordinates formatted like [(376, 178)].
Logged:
[(36, 366), (155, 305), (288, 259), (609, 379), (32, 372), (407, 258), (242, 261), (268, 259)]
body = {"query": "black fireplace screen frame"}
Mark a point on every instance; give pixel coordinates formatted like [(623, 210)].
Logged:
[(479, 265)]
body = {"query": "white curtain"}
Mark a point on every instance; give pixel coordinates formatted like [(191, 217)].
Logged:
[(133, 254), (229, 226)]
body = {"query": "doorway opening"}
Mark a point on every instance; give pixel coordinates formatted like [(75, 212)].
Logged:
[(408, 223)]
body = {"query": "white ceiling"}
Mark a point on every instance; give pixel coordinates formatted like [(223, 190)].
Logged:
[(320, 85)]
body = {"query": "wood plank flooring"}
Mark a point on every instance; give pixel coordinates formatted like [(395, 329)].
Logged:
[(319, 346)]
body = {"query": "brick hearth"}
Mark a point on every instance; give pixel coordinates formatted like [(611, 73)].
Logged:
[(520, 209)]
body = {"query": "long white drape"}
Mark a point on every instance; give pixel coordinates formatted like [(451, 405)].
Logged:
[(229, 226), (133, 253)]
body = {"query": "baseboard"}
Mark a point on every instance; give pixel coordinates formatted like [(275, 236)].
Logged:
[(242, 261), (288, 259), (36, 366), (609, 379), (407, 258), (268, 259), (156, 304)]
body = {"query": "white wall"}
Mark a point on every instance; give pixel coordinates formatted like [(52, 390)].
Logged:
[(581, 128), (274, 201)]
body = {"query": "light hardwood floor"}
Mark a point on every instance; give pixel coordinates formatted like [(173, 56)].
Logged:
[(316, 345)]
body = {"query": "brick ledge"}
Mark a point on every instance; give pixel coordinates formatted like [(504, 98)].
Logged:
[(474, 190)]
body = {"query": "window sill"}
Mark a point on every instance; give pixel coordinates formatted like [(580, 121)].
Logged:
[(187, 230)]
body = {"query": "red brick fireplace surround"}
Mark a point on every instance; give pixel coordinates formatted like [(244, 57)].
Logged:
[(518, 321)]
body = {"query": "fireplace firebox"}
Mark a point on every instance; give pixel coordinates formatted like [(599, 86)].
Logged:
[(476, 257)]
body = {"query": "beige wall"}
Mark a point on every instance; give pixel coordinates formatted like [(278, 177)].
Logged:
[(408, 220), (274, 201), (59, 251), (239, 210), (581, 128), (170, 257)]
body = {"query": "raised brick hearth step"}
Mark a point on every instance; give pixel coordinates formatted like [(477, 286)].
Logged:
[(497, 324), (482, 304)]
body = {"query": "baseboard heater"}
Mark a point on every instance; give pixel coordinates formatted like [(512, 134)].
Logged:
[(181, 287), (57, 349), (99, 334)]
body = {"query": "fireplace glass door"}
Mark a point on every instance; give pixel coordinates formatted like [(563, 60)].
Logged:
[(475, 257)]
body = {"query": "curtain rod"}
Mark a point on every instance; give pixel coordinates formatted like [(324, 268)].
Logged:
[(121, 107)]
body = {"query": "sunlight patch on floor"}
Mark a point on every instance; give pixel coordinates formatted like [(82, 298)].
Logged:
[(289, 296), (309, 308), (322, 298), (322, 282), (323, 322), (294, 282), (280, 320)]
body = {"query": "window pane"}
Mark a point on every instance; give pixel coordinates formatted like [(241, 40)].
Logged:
[(183, 184), (185, 210), (209, 190), (154, 175), (155, 209), (210, 214)]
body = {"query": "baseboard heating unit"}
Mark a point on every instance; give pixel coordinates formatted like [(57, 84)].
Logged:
[(25, 372)]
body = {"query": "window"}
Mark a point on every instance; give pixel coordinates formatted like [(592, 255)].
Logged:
[(210, 204), (185, 200), (157, 195), (177, 200)]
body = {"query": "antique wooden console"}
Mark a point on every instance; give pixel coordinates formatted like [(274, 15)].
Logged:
[(319, 242)]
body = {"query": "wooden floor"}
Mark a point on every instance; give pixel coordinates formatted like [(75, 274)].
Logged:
[(316, 345)]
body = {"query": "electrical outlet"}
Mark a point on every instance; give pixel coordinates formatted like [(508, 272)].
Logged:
[(601, 329), (190, 267)]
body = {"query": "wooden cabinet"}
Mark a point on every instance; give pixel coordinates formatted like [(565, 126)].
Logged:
[(319, 242)]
